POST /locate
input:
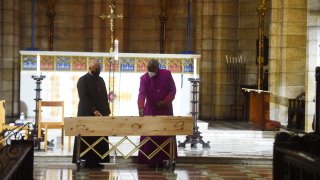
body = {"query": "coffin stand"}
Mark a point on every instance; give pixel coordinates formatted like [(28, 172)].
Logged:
[(129, 126)]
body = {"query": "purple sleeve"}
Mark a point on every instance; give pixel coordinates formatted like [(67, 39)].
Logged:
[(142, 93), (172, 89)]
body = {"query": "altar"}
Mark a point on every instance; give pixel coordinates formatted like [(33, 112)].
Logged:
[(63, 69)]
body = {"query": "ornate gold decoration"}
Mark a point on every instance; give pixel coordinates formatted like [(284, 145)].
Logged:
[(261, 10), (112, 16), (115, 147)]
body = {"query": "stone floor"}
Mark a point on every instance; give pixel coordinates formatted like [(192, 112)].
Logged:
[(238, 151), (130, 171)]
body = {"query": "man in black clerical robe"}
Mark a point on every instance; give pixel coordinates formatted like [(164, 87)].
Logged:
[(93, 102)]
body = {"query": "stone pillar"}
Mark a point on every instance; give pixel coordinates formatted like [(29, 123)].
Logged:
[(217, 34), (313, 59), (248, 33), (9, 56), (287, 65), (204, 41)]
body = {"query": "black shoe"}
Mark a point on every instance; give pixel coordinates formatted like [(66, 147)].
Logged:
[(160, 165), (152, 165), (94, 166)]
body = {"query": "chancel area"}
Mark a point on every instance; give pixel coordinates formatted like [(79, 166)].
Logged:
[(120, 89)]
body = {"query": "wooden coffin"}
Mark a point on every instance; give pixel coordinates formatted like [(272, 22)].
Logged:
[(128, 125)]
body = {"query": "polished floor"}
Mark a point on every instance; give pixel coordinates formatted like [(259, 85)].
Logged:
[(131, 171), (237, 151)]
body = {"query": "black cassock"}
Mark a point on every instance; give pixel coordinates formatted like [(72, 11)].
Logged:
[(93, 96)]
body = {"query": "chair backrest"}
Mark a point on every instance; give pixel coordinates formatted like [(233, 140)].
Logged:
[(2, 114), (48, 104)]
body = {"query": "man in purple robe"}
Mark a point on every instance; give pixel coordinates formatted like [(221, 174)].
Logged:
[(156, 93)]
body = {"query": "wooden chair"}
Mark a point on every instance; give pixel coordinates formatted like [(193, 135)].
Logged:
[(57, 124), (2, 114), (3, 124)]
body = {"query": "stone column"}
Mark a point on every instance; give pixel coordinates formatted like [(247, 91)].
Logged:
[(204, 36), (313, 58), (9, 56), (217, 34), (287, 65)]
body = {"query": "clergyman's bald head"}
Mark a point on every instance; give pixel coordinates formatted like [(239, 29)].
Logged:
[(94, 65)]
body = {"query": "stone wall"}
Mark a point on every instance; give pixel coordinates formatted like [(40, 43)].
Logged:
[(78, 27), (313, 58), (288, 36), (225, 28), (9, 58)]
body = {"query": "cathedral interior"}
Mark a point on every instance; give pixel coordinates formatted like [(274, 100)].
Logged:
[(255, 99)]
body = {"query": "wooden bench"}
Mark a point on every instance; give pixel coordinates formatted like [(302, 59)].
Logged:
[(296, 157), (16, 157), (6, 127), (17, 160), (296, 113), (128, 126)]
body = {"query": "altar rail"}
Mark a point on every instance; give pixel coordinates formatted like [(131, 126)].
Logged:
[(295, 157)]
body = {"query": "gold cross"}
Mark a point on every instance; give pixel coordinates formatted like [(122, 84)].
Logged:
[(112, 16)]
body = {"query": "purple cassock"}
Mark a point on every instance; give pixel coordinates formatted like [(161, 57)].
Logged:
[(161, 87)]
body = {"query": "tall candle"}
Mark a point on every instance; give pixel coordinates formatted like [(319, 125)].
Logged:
[(116, 49), (194, 68), (38, 65)]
